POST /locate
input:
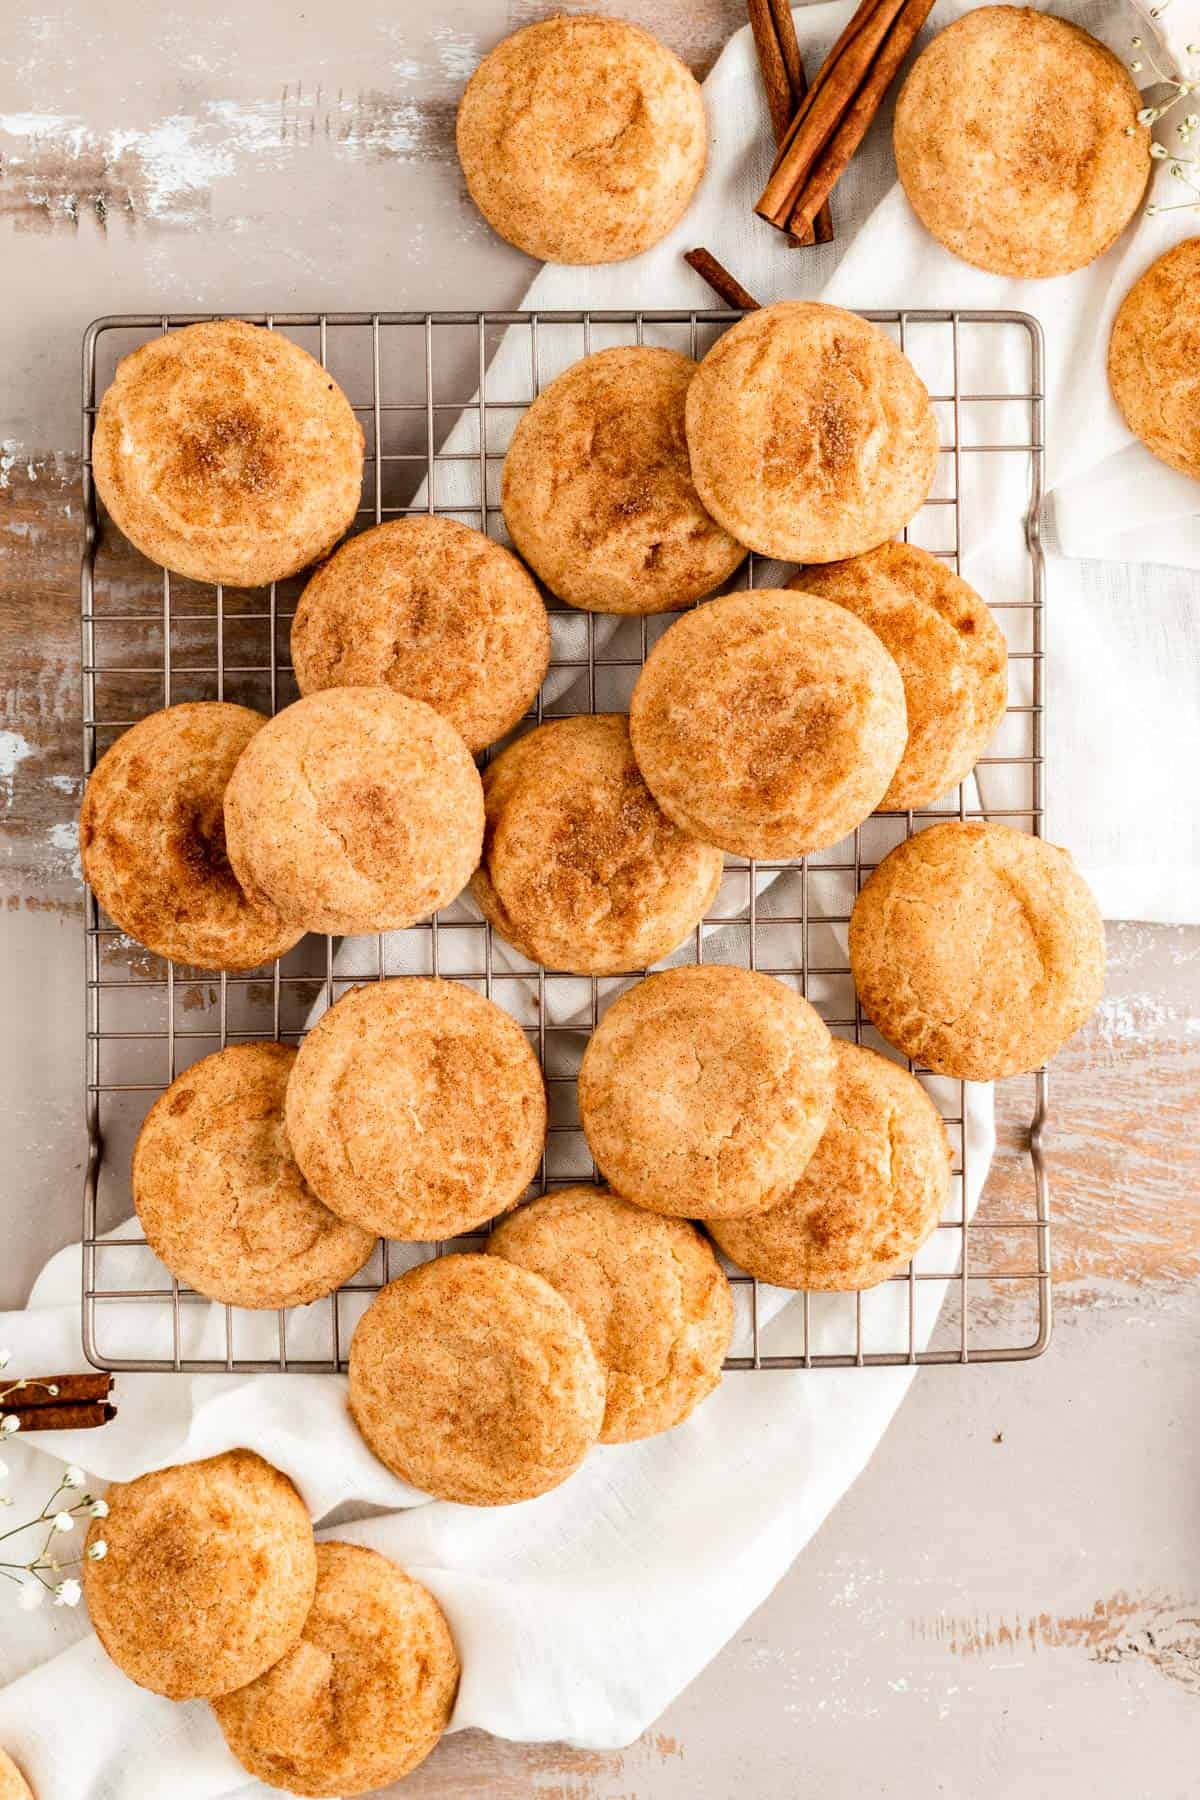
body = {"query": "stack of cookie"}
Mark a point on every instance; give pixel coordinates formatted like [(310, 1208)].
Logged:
[(329, 1670)]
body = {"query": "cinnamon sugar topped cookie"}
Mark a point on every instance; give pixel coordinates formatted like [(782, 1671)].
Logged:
[(1018, 142), (598, 493), (810, 433), (582, 139), (227, 453)]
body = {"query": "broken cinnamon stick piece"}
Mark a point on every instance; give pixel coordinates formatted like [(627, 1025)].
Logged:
[(724, 285)]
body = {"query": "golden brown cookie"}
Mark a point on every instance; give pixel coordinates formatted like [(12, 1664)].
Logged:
[(220, 1195), (650, 1291), (416, 1108), (355, 810), (152, 840), (581, 868), (950, 652), (977, 950), (598, 494), (704, 1090), (810, 433), (874, 1190), (208, 1577), (770, 723), (225, 452), (1154, 358), (431, 609), (365, 1694), (476, 1381), (582, 139), (13, 1785), (1018, 144)]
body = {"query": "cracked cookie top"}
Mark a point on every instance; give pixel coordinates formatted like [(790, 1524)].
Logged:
[(208, 1577), (416, 1107), (769, 722), (977, 949), (653, 1297), (811, 434), (431, 609), (220, 1195), (1002, 179), (152, 840), (582, 140), (355, 810), (704, 1090), (950, 652), (365, 1694), (872, 1193), (227, 453), (582, 870), (598, 493), (476, 1381)]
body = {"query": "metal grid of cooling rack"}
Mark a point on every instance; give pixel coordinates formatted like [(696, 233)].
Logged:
[(424, 387)]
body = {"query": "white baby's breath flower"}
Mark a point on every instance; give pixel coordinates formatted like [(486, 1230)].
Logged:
[(97, 1551), (98, 1509), (8, 1424), (63, 1522), (68, 1593), (30, 1596), (73, 1476)]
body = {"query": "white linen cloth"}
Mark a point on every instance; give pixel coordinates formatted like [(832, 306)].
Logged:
[(580, 1615)]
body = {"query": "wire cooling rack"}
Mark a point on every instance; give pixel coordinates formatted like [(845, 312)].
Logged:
[(438, 395)]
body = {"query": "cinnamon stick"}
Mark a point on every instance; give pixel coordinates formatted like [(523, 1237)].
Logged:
[(83, 1416), (785, 85), (35, 1390), (832, 96), (833, 161), (724, 285)]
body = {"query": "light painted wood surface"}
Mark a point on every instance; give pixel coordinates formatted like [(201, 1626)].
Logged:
[(1008, 1602)]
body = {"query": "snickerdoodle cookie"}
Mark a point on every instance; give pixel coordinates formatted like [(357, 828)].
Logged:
[(355, 810), (650, 1291), (13, 1785), (225, 452), (951, 654), (365, 1694), (476, 1381), (810, 433), (582, 870), (582, 139), (871, 1195), (977, 949), (1018, 144), (704, 1090), (598, 494), (416, 1108), (208, 1576), (220, 1195), (1154, 358), (434, 610), (770, 723), (152, 840)]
